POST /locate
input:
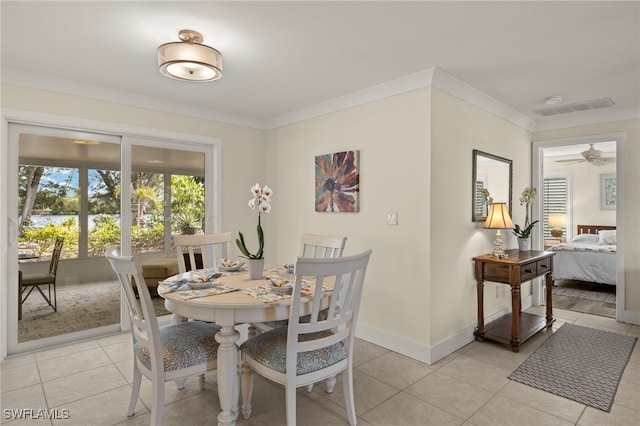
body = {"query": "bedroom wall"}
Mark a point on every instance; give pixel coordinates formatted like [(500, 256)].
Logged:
[(631, 162), (585, 192)]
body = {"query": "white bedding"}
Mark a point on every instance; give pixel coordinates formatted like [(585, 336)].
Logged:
[(584, 259)]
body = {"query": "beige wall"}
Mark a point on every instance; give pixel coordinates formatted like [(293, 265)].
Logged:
[(457, 128), (630, 159), (392, 136)]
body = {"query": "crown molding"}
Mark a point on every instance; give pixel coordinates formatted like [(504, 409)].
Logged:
[(374, 93), (53, 84)]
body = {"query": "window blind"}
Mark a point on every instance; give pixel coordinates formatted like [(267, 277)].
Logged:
[(555, 201)]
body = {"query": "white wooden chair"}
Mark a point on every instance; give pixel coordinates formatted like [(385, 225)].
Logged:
[(212, 248), (314, 246), (306, 352), (162, 354)]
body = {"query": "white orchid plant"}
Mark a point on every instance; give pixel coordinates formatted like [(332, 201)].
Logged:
[(261, 199), (527, 198)]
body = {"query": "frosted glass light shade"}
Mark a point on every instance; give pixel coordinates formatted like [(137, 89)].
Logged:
[(190, 60)]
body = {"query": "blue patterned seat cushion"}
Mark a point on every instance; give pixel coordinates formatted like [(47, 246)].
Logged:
[(322, 315), (270, 349), (183, 345)]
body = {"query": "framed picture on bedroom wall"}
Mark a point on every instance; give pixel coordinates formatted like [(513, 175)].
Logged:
[(608, 191)]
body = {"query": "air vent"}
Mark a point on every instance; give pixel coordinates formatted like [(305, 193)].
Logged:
[(578, 106)]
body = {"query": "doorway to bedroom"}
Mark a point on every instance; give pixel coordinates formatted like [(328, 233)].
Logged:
[(578, 219)]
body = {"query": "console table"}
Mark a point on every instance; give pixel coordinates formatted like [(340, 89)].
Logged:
[(519, 267)]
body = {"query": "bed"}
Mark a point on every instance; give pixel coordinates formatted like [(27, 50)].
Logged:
[(590, 256)]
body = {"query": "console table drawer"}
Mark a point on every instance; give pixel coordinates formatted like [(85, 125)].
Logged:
[(528, 271), (543, 266)]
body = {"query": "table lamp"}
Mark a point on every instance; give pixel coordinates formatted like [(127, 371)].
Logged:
[(498, 218), (557, 221)]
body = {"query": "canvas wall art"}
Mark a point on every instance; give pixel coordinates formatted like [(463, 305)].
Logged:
[(338, 182), (608, 191)]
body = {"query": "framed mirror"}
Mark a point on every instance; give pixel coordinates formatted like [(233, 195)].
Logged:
[(495, 174)]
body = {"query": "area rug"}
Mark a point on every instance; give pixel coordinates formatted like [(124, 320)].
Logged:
[(578, 363), (596, 296), (80, 307)]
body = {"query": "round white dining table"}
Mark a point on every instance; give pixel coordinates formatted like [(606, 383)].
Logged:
[(228, 310)]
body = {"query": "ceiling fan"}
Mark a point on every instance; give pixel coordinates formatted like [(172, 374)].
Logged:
[(590, 156)]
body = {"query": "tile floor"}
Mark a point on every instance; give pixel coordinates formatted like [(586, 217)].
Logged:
[(469, 387)]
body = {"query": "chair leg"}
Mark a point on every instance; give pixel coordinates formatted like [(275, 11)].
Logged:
[(347, 386), (180, 383), (135, 389), (201, 381), (329, 384), (290, 391), (157, 402), (246, 388), (309, 388)]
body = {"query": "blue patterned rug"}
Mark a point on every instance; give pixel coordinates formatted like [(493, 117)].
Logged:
[(579, 363)]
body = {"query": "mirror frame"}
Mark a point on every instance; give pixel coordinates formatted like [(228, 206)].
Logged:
[(476, 153)]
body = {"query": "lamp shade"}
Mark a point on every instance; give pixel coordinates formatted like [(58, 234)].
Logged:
[(189, 59), (557, 220), (498, 217)]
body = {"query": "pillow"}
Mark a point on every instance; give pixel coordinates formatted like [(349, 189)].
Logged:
[(586, 239), (607, 238)]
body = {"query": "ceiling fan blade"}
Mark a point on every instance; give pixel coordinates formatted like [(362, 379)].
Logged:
[(573, 160)]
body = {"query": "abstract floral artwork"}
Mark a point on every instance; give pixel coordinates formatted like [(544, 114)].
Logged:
[(338, 182), (608, 191)]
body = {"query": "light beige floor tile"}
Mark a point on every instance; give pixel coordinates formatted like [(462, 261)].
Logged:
[(477, 373), (635, 355), (311, 409), (66, 350), (544, 401), (126, 369), (119, 351), (121, 337), (91, 410), (53, 368), (81, 385), (632, 372), (602, 323), (17, 361), (368, 392), (19, 377), (364, 351), (501, 411), (450, 394), (28, 397), (628, 394), (404, 410), (619, 416), (634, 331), (395, 369), (173, 394), (499, 355)]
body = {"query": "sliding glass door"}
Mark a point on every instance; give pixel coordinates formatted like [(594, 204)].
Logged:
[(71, 184)]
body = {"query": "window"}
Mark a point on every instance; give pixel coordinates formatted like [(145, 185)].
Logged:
[(556, 190)]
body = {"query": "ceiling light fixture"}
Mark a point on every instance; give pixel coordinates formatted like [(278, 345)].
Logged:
[(189, 59), (552, 100)]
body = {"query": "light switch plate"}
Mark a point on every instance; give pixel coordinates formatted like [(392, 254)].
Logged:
[(392, 217)]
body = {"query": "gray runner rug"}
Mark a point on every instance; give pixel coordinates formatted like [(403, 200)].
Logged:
[(578, 363), (597, 296)]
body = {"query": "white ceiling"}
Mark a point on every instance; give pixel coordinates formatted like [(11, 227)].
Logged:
[(281, 57)]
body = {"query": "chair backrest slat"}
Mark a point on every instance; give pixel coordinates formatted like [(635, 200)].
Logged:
[(212, 248), (144, 324), (348, 274), (322, 246)]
